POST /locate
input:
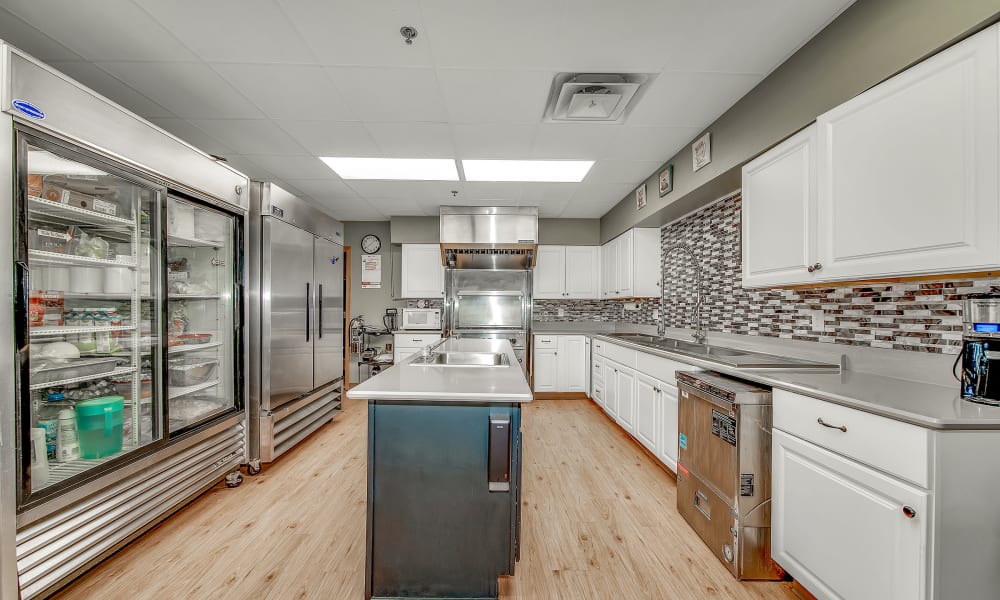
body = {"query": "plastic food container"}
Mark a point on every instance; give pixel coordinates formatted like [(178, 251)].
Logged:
[(48, 239), (99, 426), (195, 338), (192, 371), (48, 370)]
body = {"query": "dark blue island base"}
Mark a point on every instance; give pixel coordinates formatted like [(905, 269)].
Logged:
[(444, 483)]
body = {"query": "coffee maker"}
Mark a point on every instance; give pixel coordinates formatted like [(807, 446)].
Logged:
[(980, 376)]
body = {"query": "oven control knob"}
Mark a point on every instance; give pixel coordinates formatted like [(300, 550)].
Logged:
[(727, 552)]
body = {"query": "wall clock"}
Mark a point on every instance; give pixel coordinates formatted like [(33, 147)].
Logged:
[(370, 244)]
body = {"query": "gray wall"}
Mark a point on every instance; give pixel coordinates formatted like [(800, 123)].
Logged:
[(570, 232), (371, 302), (871, 41)]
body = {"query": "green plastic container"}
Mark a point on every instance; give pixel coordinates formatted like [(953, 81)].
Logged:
[(99, 426)]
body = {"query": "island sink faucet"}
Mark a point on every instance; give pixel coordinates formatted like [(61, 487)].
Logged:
[(699, 331)]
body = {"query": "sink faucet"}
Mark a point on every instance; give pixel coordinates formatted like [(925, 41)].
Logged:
[(699, 331)]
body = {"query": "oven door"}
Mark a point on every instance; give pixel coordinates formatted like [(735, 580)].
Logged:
[(489, 310)]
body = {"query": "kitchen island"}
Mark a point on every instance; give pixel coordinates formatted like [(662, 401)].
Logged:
[(444, 458)]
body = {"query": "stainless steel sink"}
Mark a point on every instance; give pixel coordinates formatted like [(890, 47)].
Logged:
[(462, 359), (731, 357)]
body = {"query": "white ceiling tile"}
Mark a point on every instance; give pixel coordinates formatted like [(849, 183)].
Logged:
[(493, 141), (101, 31), (435, 191), (188, 90), (360, 33), (621, 171), (301, 166), (232, 30), (391, 94), (510, 34), (19, 33), (552, 209), (689, 99), (592, 200), (96, 79), (650, 143), (396, 207), (585, 141), (349, 209), (250, 136), (193, 135), (502, 192), (478, 96), (413, 140), (749, 37), (288, 91), (324, 188), (249, 168), (325, 138), (545, 194)]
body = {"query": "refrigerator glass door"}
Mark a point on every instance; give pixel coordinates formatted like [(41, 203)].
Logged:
[(287, 310), (202, 304), (88, 308), (328, 267)]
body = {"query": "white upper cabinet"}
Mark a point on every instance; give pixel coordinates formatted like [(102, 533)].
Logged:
[(422, 271), (631, 264), (779, 213), (900, 180), (908, 169), (567, 272)]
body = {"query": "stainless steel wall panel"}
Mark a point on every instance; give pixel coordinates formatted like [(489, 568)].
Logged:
[(80, 114), (55, 549)]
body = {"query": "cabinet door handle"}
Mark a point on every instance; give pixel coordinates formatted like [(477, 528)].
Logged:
[(814, 268), (657, 390), (909, 512), (825, 424)]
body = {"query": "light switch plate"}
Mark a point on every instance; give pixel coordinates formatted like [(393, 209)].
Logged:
[(561, 312)]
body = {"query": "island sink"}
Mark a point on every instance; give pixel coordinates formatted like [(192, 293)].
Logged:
[(462, 359)]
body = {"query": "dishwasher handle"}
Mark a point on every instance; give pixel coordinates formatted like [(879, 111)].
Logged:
[(499, 459)]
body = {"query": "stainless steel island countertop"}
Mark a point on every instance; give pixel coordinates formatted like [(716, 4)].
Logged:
[(410, 380)]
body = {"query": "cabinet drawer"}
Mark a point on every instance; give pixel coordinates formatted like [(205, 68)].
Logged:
[(415, 339), (661, 368), (897, 448), (625, 356), (597, 370), (599, 347), (546, 341)]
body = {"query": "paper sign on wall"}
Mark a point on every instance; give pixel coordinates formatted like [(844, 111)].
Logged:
[(371, 271)]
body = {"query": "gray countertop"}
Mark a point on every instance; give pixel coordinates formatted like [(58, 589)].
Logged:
[(924, 404), (436, 383)]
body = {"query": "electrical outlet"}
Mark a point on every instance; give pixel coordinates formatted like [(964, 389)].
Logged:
[(656, 314), (631, 306), (818, 322), (561, 312)]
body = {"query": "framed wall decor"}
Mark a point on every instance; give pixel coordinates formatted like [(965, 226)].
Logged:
[(640, 196), (701, 151), (666, 180)]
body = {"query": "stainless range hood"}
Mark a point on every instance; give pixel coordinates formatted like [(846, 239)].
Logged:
[(489, 237)]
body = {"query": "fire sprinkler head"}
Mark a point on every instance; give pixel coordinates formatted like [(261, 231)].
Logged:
[(408, 33)]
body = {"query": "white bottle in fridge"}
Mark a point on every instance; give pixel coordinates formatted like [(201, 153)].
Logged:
[(67, 440), (39, 458)]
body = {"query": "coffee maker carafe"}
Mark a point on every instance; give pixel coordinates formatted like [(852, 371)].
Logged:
[(980, 357)]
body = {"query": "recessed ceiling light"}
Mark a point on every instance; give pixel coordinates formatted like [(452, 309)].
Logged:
[(526, 170), (418, 169)]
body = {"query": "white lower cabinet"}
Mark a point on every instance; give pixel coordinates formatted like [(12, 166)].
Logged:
[(667, 405), (844, 530), (647, 400), (405, 344), (561, 363), (624, 386)]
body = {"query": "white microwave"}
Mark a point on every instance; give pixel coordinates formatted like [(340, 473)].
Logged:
[(421, 318)]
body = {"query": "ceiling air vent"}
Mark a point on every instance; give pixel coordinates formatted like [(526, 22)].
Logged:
[(593, 97)]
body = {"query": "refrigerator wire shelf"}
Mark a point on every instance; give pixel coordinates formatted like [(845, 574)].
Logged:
[(75, 214), (81, 379), (178, 391), (61, 471), (192, 347), (191, 242), (64, 330), (41, 257)]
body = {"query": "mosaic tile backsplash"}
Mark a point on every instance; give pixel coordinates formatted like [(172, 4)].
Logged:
[(917, 316)]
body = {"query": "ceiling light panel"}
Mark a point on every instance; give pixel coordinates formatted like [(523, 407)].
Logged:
[(526, 170), (409, 169)]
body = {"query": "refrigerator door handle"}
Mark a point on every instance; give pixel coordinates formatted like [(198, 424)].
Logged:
[(308, 302), (319, 314)]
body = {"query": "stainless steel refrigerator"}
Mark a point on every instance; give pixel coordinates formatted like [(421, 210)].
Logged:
[(121, 388), (297, 321)]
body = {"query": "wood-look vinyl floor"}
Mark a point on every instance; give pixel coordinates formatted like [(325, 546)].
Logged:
[(598, 522)]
